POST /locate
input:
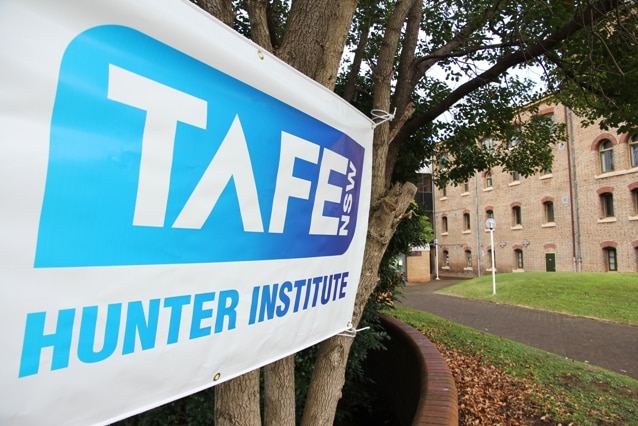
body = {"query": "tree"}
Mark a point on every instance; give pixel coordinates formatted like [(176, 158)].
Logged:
[(454, 58)]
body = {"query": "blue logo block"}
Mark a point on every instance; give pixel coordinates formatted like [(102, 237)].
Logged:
[(157, 158)]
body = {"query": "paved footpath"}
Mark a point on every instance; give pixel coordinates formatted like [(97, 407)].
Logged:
[(608, 345)]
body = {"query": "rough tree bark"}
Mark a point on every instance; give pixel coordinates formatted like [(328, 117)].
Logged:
[(387, 209), (279, 385), (329, 372), (315, 36), (237, 401)]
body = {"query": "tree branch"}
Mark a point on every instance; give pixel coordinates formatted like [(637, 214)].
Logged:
[(259, 28), (581, 19)]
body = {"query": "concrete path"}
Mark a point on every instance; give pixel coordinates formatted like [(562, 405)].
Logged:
[(608, 345)]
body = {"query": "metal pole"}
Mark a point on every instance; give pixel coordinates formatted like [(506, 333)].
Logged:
[(491, 224), (493, 266), (436, 257)]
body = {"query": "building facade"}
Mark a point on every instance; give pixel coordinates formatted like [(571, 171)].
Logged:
[(580, 216)]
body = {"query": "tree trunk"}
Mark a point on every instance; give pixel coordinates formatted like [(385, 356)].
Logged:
[(329, 373), (315, 37), (221, 9), (279, 392), (237, 401)]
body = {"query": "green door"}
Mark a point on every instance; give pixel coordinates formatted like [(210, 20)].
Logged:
[(550, 262)]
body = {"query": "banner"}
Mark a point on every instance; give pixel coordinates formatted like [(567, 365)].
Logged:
[(177, 207)]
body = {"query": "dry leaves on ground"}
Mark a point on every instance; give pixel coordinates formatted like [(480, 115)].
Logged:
[(489, 396)]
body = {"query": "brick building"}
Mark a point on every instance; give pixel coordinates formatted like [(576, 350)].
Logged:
[(580, 216)]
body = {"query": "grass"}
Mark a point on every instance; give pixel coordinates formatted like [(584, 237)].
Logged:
[(608, 296), (573, 392)]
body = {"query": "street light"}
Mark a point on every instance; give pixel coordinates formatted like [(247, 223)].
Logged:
[(436, 257), (491, 224)]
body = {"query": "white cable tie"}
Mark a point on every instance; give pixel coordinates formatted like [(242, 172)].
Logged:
[(352, 332), (380, 116)]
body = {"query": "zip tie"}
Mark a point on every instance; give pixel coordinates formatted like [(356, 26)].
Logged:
[(381, 116), (352, 332)]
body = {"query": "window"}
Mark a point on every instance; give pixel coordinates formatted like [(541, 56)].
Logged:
[(548, 208), (606, 152), (634, 199), (468, 258), (424, 183), (516, 176), (607, 204), (444, 224), (489, 258), (488, 144), (466, 186), (516, 139), (466, 222), (446, 258), (489, 214), (633, 150), (610, 259), (518, 255), (517, 218), (488, 179), (444, 191)]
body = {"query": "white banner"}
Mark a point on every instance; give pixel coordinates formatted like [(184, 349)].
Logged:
[(177, 207)]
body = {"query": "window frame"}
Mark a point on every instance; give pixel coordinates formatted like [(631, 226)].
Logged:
[(489, 257), (467, 222), (468, 258), (488, 144), (606, 205), (517, 216), (606, 156), (489, 180), (519, 258), (548, 211), (611, 259), (515, 140), (632, 144)]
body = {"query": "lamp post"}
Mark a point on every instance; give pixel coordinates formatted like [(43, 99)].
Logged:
[(491, 224), (436, 257)]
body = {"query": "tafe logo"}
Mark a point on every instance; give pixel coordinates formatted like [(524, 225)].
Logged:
[(156, 158)]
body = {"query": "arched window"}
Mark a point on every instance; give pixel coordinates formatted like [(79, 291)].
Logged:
[(518, 257), (444, 224), (488, 179), (606, 204), (489, 258), (606, 152), (633, 150), (467, 222), (548, 209), (515, 139), (517, 217), (468, 258), (634, 200), (610, 258), (446, 258), (488, 144), (489, 214)]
